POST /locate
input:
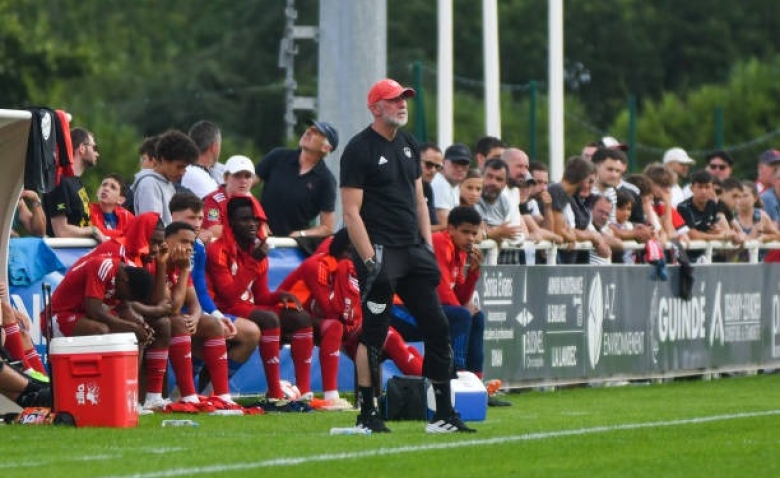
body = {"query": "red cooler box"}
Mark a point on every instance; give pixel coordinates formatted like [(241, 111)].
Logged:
[(95, 379)]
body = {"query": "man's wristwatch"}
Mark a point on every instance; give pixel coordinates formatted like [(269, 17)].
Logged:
[(370, 263)]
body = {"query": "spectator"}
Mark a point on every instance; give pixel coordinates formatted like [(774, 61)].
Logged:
[(678, 162), (540, 195), (239, 173), (607, 142), (29, 215), (459, 262), (147, 162), (298, 186), (624, 202), (153, 191), (488, 147), (432, 162), (610, 165), (767, 163), (471, 190), (672, 224), (67, 205), (700, 213), (446, 184), (237, 270), (204, 176), (570, 217), (601, 208), (752, 219), (719, 164), (107, 214), (496, 210)]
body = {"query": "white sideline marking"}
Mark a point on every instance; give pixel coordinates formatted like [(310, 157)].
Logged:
[(440, 446)]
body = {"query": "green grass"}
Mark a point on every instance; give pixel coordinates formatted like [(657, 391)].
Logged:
[(681, 429)]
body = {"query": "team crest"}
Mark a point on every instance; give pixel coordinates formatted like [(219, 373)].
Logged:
[(408, 151), (213, 214)]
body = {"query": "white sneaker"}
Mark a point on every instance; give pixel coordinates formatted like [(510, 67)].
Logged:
[(156, 405), (142, 411), (337, 405), (306, 397), (451, 424)]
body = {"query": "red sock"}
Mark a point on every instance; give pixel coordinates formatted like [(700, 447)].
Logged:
[(269, 354), (180, 355), (14, 344), (331, 331), (301, 350), (156, 364), (408, 362), (35, 360), (215, 356)]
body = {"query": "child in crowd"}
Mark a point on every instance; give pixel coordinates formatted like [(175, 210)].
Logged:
[(624, 204), (106, 214)]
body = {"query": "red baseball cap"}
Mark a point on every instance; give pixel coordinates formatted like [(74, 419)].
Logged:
[(388, 89)]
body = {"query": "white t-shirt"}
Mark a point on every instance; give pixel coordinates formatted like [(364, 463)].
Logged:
[(198, 180), (445, 195)]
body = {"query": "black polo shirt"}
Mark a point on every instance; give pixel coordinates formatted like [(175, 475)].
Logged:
[(702, 221), (69, 198), (292, 200), (386, 171)]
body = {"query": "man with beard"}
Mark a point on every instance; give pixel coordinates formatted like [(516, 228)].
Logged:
[(67, 205), (387, 220)]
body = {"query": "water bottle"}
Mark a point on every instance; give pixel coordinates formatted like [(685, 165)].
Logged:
[(227, 412), (349, 431), (179, 423)]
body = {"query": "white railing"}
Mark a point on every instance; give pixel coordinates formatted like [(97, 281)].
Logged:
[(491, 249)]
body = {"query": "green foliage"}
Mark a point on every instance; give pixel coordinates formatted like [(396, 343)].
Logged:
[(749, 99), (129, 69)]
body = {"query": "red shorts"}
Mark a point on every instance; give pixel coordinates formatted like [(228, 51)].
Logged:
[(64, 323), (243, 309)]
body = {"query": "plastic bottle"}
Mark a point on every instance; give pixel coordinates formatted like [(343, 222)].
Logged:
[(227, 412), (349, 431), (179, 423)]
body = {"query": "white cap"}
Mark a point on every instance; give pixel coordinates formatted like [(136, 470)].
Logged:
[(238, 164), (677, 155)]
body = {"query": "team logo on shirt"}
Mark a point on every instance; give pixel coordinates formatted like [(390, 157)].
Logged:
[(382, 160), (213, 214), (408, 151)]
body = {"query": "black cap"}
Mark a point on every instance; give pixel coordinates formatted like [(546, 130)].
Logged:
[(328, 130), (459, 153)]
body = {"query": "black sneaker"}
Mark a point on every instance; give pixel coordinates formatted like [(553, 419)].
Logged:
[(372, 422), (35, 397), (451, 424), (494, 402)]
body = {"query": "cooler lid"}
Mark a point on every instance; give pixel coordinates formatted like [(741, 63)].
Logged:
[(124, 342)]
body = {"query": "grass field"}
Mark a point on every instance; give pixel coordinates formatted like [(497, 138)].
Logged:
[(724, 428)]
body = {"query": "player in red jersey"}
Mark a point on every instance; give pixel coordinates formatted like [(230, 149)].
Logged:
[(237, 272), (93, 298), (326, 284)]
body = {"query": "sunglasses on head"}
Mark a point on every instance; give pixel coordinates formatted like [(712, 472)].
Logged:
[(718, 166), (431, 164)]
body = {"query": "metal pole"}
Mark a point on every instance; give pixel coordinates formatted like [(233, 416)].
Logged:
[(631, 132), (352, 57), (533, 91), (444, 89), (492, 68), (557, 134)]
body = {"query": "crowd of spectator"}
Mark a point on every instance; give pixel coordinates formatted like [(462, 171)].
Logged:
[(182, 260)]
